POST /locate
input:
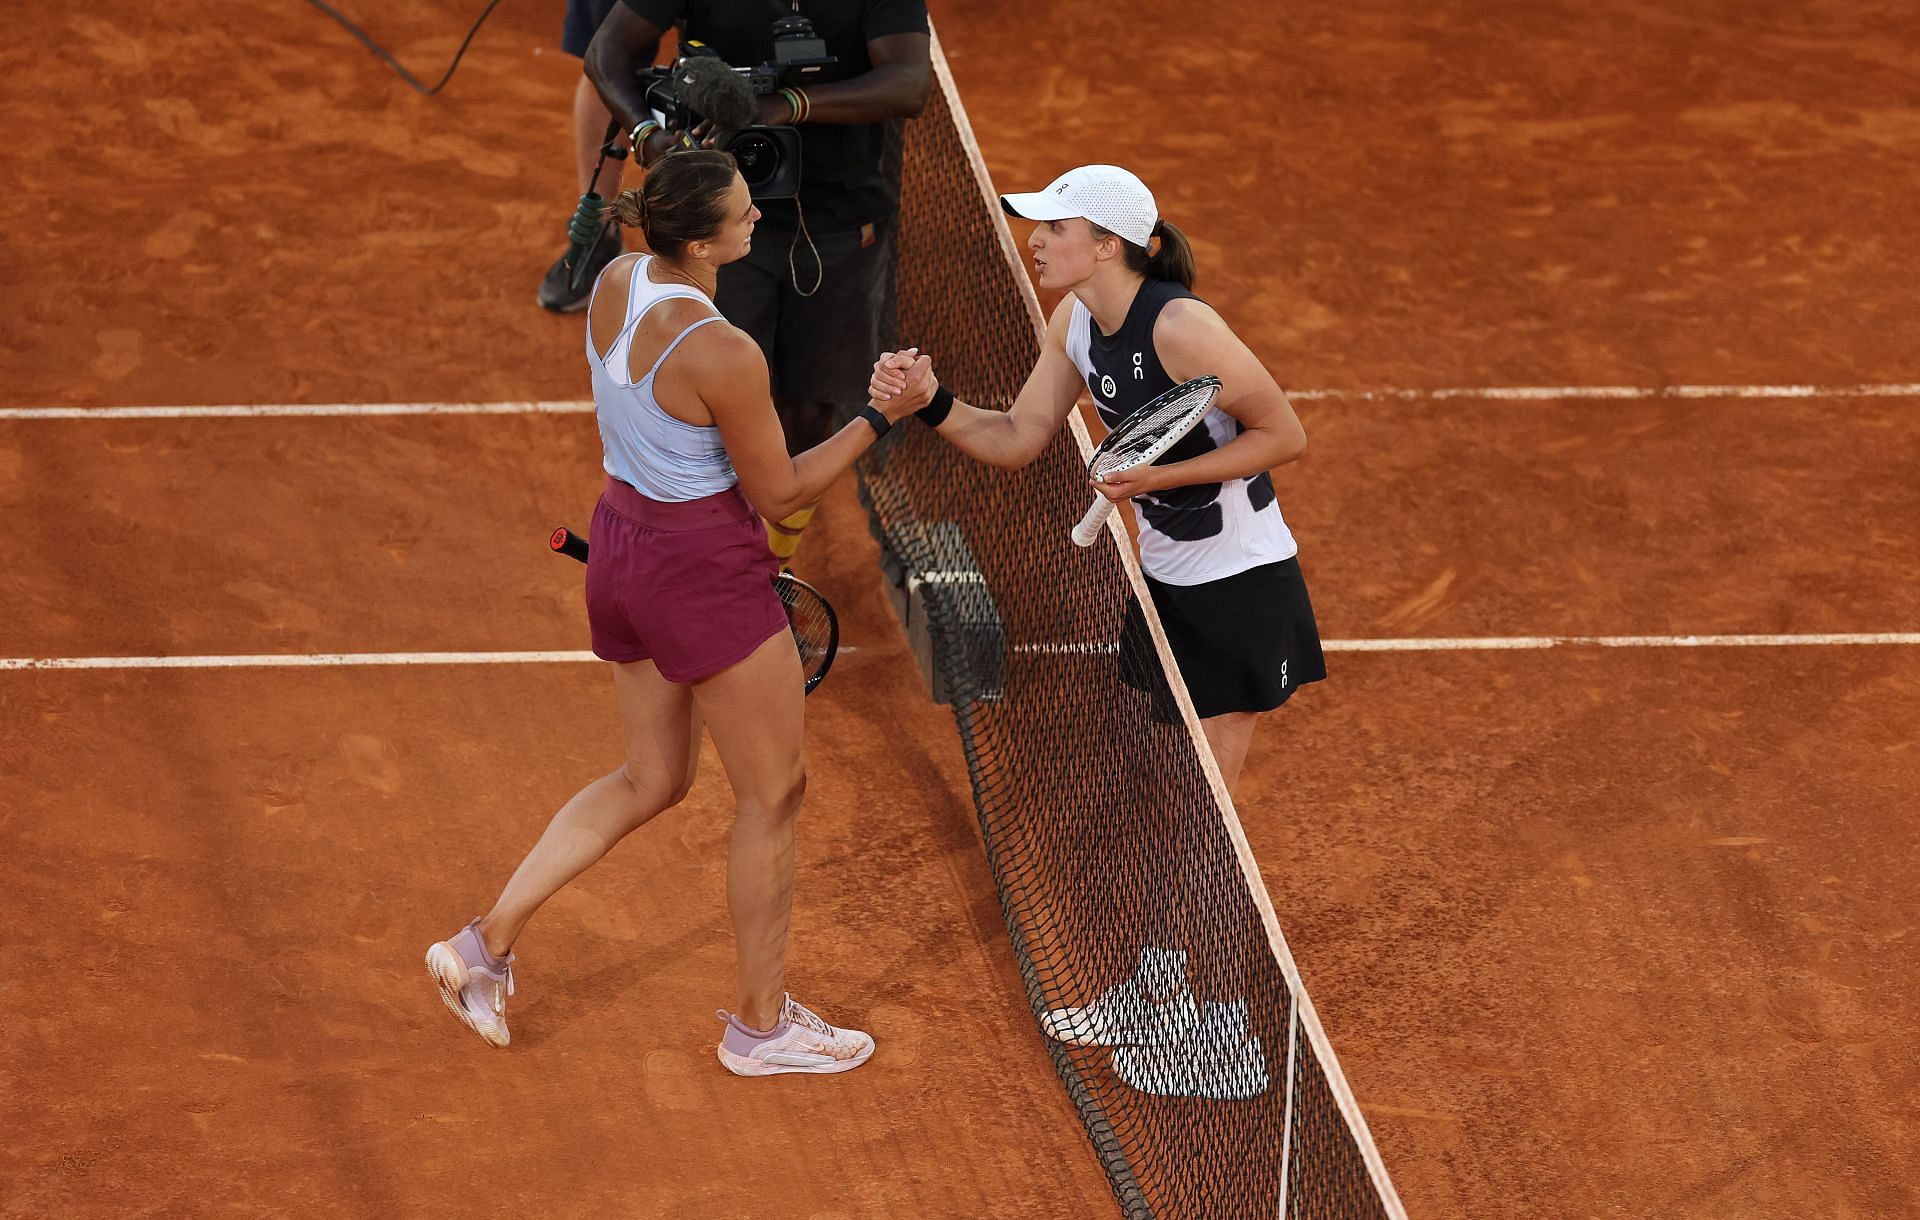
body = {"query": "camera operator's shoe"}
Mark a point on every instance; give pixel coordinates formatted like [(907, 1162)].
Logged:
[(557, 291)]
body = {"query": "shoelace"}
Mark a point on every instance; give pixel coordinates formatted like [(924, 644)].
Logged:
[(800, 1014), (496, 994)]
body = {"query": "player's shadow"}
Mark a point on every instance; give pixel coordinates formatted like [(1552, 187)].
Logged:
[(613, 989)]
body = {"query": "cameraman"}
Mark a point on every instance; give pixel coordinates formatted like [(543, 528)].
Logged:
[(815, 289)]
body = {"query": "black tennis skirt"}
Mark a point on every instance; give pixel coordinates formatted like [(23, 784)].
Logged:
[(1244, 643)]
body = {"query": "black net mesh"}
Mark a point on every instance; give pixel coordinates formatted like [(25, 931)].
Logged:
[(1131, 917)]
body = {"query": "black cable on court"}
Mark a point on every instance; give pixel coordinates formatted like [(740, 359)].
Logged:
[(395, 64)]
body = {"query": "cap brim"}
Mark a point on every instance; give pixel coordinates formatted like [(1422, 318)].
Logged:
[(1036, 205)]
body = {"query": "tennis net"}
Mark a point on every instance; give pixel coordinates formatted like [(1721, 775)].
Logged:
[(1128, 889)]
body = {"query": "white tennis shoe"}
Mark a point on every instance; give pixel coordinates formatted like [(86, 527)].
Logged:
[(1221, 1060), (1152, 1008)]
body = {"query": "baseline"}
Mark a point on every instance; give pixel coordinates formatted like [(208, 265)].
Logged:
[(324, 660)]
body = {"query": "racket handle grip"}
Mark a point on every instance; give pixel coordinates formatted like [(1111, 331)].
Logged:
[(1091, 524), (564, 541)]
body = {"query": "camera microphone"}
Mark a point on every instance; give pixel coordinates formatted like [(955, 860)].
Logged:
[(701, 97), (715, 92)]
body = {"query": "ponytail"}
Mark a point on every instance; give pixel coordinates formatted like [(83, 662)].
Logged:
[(1172, 262), (1174, 259), (629, 209)]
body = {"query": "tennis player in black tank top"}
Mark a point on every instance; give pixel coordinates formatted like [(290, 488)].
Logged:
[(1138, 382), (1219, 561), (1219, 558)]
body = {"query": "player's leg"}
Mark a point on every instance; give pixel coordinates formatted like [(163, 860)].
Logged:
[(663, 749), (1243, 643), (754, 712), (474, 967), (1229, 735), (1194, 959)]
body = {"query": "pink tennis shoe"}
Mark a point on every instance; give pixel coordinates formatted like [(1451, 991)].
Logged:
[(474, 983), (799, 1042)]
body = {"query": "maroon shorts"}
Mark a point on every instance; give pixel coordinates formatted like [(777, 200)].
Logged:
[(687, 585)]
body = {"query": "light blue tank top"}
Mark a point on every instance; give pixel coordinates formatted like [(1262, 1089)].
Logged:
[(657, 455)]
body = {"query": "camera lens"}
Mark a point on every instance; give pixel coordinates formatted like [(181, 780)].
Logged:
[(759, 158)]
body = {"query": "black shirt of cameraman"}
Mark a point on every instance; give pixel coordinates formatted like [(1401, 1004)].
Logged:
[(884, 73)]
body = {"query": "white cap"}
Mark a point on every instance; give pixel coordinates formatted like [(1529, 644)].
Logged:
[(1105, 194)]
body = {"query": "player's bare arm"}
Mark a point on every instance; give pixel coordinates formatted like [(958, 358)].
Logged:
[(625, 44), (895, 88), (733, 383), (1012, 438)]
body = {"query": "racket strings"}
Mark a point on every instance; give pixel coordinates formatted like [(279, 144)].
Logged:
[(1143, 433), (815, 630), (810, 633)]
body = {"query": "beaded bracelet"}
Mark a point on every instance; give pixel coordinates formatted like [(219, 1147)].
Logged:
[(799, 106)]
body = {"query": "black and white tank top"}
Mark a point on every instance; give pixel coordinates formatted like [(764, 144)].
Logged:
[(1188, 535)]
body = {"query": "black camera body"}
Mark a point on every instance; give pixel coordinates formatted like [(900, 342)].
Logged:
[(799, 55), (769, 156)]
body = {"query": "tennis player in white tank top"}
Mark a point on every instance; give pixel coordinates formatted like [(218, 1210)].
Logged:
[(695, 457), (645, 447)]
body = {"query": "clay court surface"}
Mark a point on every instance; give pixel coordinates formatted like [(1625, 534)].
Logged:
[(1595, 931)]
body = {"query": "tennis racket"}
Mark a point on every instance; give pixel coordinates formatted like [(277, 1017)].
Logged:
[(816, 628), (1142, 437)]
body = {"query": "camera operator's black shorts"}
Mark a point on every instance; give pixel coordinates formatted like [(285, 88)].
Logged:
[(583, 21), (1244, 643), (819, 347)]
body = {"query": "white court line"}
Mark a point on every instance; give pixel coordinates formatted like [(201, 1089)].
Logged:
[(1467, 644), (1520, 643), (1549, 393), (1515, 643), (1488, 393), (277, 660), (284, 410)]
